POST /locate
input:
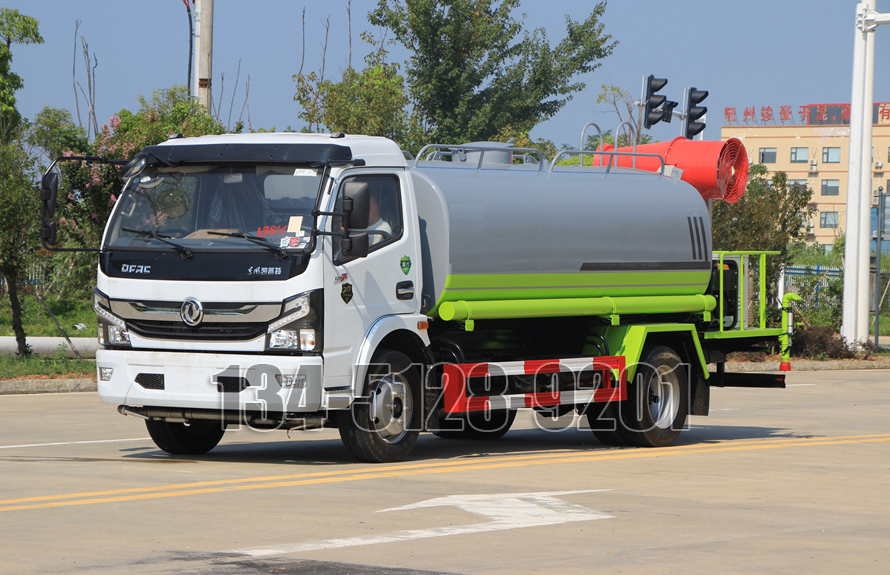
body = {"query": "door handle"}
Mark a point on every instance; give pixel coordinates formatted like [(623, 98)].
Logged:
[(405, 290)]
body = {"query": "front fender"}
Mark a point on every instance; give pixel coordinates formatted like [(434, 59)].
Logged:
[(378, 332)]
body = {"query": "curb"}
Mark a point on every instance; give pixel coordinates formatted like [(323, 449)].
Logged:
[(24, 386), (802, 365)]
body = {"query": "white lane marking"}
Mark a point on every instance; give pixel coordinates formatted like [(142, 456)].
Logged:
[(73, 443), (506, 511), (799, 384)]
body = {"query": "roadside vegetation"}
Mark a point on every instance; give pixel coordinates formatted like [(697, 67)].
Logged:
[(56, 366), (76, 317)]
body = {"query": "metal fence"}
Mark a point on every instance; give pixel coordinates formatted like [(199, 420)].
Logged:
[(797, 277)]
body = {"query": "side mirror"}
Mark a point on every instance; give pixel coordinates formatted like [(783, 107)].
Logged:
[(135, 166), (357, 204), (355, 246), (49, 192)]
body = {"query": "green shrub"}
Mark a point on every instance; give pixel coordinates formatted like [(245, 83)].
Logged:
[(818, 342)]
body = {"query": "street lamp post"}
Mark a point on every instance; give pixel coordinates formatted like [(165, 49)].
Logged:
[(856, 258), (879, 239)]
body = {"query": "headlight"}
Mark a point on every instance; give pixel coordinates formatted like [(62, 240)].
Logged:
[(112, 329), (299, 328), (298, 310)]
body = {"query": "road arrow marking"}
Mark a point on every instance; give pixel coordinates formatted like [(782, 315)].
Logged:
[(504, 511)]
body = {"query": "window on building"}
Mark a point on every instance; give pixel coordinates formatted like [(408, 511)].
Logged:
[(828, 220), (831, 187), (831, 155), (799, 155), (767, 156), (797, 183)]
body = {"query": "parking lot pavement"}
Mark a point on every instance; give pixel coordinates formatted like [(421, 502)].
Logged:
[(777, 481)]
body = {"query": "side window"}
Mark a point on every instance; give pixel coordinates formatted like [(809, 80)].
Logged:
[(386, 211)]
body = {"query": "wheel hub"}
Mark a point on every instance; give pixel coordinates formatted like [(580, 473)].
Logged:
[(391, 408)]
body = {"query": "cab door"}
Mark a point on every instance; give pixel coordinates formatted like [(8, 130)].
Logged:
[(359, 291)]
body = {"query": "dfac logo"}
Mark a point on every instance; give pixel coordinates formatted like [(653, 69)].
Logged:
[(134, 269), (191, 312)]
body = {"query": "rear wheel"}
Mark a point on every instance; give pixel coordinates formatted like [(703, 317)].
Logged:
[(657, 400), (192, 438), (383, 426), (477, 425)]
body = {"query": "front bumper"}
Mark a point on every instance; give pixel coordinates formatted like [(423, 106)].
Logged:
[(210, 380)]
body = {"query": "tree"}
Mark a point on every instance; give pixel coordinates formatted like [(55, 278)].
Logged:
[(625, 106), (771, 215), (18, 199), (18, 208), (53, 132), (373, 101), (593, 140), (15, 28), (469, 75)]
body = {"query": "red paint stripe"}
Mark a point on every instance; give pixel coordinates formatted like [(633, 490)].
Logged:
[(455, 384), (535, 366)]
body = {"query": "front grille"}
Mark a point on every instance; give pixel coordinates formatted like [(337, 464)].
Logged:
[(151, 380), (213, 331), (231, 384)]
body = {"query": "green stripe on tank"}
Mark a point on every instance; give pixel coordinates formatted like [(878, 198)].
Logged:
[(483, 287)]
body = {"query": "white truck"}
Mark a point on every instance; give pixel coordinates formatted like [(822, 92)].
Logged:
[(293, 281)]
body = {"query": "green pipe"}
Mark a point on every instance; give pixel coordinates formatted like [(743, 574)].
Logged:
[(603, 306), (785, 337)]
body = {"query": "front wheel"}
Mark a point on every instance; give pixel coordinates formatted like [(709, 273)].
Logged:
[(192, 438), (657, 400), (383, 426)]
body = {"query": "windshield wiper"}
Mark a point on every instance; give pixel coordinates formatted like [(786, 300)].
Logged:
[(281, 253), (186, 252)]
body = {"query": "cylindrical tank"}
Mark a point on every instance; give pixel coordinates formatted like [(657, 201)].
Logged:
[(523, 233)]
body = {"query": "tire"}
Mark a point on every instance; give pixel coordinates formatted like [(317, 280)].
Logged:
[(195, 438), (605, 422), (476, 426), (657, 400), (383, 426)]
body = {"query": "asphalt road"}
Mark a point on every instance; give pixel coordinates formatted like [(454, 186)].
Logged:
[(774, 481)]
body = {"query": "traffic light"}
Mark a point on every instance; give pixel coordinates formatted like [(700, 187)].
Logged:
[(652, 102), (692, 125)]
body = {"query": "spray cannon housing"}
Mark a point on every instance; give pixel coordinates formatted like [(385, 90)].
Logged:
[(718, 170)]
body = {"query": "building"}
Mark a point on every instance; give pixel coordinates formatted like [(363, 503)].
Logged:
[(813, 150)]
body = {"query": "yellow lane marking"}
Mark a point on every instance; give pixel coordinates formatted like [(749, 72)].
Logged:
[(378, 472), (410, 466)]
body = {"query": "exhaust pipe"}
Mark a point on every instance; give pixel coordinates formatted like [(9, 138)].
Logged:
[(311, 421)]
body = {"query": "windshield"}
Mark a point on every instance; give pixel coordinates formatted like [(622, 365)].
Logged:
[(210, 207)]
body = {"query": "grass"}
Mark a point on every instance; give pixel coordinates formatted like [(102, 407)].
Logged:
[(57, 366), (38, 323)]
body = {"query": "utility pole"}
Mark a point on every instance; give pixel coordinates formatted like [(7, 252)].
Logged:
[(858, 242), (204, 53), (879, 240)]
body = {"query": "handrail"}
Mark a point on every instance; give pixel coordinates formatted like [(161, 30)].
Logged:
[(633, 138), (584, 131), (611, 155), (451, 149), (742, 279)]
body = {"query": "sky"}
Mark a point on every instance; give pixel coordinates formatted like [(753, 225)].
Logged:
[(754, 53)]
